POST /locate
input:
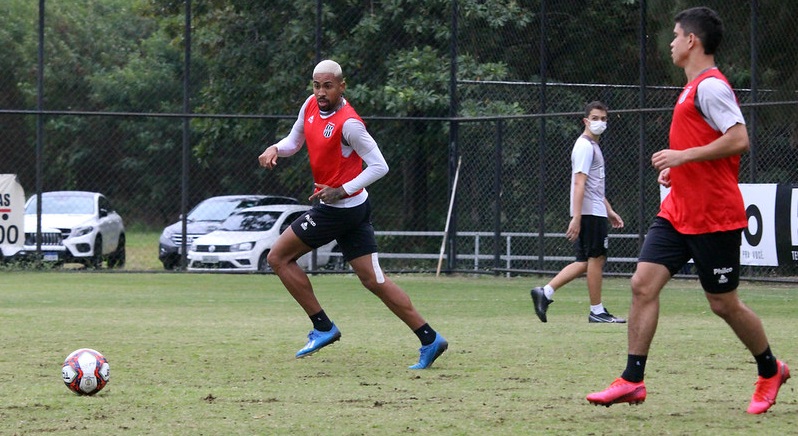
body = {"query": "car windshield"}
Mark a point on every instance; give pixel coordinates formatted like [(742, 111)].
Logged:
[(63, 204), (250, 221), (218, 210)]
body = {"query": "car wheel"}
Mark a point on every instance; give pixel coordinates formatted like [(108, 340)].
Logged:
[(170, 263), (117, 258), (96, 261), (263, 264)]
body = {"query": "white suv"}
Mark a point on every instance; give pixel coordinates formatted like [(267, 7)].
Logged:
[(76, 226)]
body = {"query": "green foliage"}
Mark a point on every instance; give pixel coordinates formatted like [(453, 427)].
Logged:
[(255, 58)]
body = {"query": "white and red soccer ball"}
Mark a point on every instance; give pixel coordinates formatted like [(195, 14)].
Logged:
[(85, 371)]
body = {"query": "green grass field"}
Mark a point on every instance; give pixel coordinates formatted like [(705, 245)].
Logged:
[(213, 354), (142, 250)]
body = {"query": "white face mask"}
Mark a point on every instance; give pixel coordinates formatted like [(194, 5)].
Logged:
[(597, 127)]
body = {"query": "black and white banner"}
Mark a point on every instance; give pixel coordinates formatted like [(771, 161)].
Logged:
[(787, 224), (12, 215), (759, 238)]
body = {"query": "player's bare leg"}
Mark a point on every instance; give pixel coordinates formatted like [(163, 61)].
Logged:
[(396, 299), (566, 275), (595, 276), (647, 283), (389, 292), (743, 321), (282, 258), (748, 327), (539, 297)]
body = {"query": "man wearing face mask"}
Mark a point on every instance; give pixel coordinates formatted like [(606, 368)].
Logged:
[(590, 212)]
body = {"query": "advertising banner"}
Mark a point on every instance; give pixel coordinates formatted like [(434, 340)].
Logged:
[(759, 238), (12, 214), (787, 225)]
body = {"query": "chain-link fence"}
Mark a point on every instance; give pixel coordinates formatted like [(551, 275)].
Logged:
[(125, 100)]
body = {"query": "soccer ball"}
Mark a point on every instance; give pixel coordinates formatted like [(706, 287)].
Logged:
[(85, 371)]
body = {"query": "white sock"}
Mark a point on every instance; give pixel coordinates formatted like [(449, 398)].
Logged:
[(597, 309), (548, 291)]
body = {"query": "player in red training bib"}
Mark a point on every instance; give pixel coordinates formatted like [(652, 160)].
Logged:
[(702, 216), (338, 145)]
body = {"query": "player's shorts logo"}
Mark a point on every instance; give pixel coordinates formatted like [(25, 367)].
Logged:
[(308, 219), (721, 272)]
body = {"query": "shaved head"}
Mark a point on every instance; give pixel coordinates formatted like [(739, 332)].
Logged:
[(329, 66)]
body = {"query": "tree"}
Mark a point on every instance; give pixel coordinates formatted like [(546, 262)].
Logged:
[(259, 56)]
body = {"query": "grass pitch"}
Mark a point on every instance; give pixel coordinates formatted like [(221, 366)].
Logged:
[(214, 354)]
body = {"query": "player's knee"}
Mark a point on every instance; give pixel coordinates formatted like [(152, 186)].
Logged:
[(723, 307), (274, 259), (369, 282), (641, 288)]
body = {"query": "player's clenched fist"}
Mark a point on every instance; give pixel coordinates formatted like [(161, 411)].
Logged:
[(268, 159)]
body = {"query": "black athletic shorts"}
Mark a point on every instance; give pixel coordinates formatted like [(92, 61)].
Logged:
[(592, 240), (716, 255), (350, 227)]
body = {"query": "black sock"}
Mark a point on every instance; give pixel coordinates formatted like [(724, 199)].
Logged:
[(425, 334), (635, 368), (321, 322), (766, 364)]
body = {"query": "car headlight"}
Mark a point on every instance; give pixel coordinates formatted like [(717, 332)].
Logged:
[(192, 247), (244, 246), (80, 231)]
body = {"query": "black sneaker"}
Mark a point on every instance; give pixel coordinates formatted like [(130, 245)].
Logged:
[(541, 302), (605, 317)]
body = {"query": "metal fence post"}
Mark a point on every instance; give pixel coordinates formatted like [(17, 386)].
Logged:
[(497, 194), (542, 137), (453, 132), (641, 145), (186, 137)]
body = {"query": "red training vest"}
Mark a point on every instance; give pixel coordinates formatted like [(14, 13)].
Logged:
[(324, 138), (704, 196)]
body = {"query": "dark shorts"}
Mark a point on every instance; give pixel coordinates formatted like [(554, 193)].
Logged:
[(716, 255), (350, 227), (592, 240)]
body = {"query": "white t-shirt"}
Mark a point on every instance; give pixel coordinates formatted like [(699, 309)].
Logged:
[(586, 158)]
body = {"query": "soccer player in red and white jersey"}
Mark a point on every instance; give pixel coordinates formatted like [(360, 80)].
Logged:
[(702, 216), (338, 144)]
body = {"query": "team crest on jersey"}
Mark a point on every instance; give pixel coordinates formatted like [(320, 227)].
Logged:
[(328, 130), (686, 91)]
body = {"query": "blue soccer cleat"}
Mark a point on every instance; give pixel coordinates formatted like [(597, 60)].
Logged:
[(428, 353), (318, 340)]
